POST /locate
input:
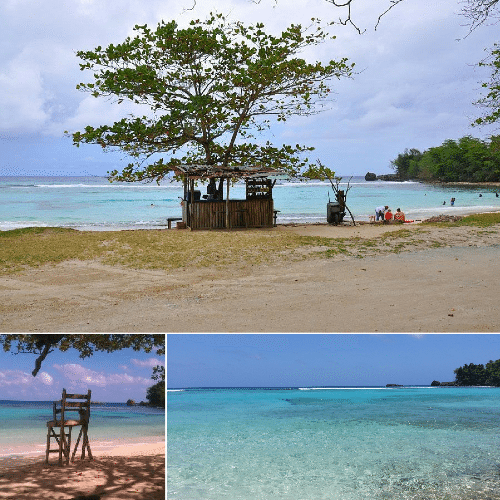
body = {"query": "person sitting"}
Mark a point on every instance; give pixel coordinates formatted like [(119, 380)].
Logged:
[(399, 216), (388, 215)]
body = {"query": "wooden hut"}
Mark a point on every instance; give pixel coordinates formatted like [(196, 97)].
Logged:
[(214, 211)]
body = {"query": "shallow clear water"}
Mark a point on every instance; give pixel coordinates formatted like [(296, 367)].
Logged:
[(346, 444), (94, 203), (23, 424)]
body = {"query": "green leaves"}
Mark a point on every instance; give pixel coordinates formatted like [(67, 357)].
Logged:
[(491, 101), (86, 344), (207, 87), (467, 159)]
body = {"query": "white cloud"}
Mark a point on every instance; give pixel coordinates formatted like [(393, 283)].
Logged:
[(80, 376), (45, 378), (151, 362), (18, 378), (21, 97)]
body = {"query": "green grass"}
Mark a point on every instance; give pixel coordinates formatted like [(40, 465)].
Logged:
[(33, 247), (479, 220)]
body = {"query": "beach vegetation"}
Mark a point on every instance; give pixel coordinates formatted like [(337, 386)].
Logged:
[(467, 159), (472, 374), (205, 92), (491, 101), (173, 250), (156, 394), (23, 249), (42, 345), (399, 233), (483, 220)]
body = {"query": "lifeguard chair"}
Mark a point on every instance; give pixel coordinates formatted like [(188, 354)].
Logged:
[(63, 419)]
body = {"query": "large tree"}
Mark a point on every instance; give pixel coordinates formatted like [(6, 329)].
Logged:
[(43, 344), (491, 101), (208, 89)]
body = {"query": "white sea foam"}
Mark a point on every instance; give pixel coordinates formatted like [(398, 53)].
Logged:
[(342, 388)]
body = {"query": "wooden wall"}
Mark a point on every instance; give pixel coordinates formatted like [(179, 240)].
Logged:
[(243, 213)]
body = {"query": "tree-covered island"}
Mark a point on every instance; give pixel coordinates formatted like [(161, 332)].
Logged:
[(472, 374)]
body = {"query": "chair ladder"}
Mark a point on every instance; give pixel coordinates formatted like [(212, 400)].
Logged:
[(63, 441)]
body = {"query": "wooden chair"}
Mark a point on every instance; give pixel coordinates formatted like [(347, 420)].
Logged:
[(63, 419)]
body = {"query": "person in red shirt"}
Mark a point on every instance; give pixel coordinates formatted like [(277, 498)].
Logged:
[(399, 216), (388, 215)]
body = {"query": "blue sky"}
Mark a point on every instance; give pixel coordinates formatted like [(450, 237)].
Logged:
[(288, 360), (416, 83), (112, 377)]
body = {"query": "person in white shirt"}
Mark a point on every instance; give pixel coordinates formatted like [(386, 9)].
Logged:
[(379, 212)]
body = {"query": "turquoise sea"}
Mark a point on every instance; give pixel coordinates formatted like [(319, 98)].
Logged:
[(23, 429), (333, 443), (92, 203)]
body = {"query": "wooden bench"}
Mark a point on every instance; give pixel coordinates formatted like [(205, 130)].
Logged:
[(171, 219)]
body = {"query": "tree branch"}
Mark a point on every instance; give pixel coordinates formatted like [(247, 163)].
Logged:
[(393, 4), (48, 342)]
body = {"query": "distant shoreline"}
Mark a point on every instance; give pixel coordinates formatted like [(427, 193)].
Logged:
[(394, 178)]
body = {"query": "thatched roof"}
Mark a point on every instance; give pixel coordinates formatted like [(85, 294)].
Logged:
[(215, 171)]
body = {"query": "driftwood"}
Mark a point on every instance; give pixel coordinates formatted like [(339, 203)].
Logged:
[(340, 195)]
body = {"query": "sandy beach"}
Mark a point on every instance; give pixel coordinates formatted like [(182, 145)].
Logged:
[(133, 471), (426, 279)]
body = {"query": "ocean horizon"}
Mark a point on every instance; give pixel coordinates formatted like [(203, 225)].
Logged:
[(92, 203), (23, 429)]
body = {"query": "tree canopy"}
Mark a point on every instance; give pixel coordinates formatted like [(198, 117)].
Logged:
[(467, 160), (156, 394), (472, 374), (491, 101), (208, 90), (43, 344)]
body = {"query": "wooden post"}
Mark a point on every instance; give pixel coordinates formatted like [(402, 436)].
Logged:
[(228, 220), (190, 203)]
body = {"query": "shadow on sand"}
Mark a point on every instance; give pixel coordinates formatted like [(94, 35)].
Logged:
[(104, 478)]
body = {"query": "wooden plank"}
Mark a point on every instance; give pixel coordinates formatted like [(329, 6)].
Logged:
[(214, 214), (83, 404)]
